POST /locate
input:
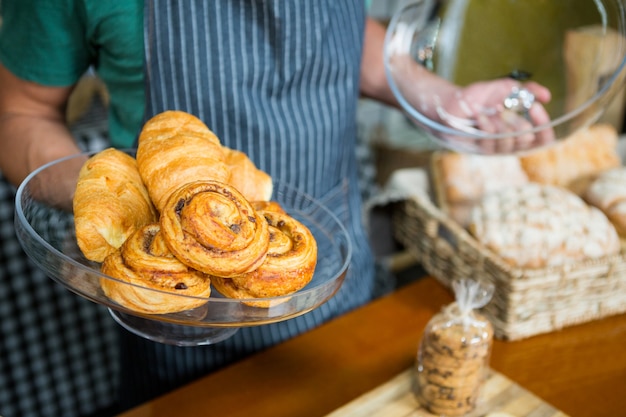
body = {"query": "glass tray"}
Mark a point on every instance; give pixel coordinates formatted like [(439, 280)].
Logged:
[(45, 229)]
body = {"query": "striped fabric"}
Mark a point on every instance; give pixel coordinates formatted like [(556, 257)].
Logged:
[(279, 81)]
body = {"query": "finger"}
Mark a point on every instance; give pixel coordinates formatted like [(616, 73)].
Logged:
[(506, 123), (545, 136), (538, 115), (525, 139), (541, 93)]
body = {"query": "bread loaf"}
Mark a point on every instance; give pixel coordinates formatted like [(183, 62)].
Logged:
[(608, 193), (575, 161), (534, 226), (461, 180)]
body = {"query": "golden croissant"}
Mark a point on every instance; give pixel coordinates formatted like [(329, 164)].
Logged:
[(176, 148), (253, 183), (109, 204)]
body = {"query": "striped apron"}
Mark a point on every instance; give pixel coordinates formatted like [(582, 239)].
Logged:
[(278, 80)]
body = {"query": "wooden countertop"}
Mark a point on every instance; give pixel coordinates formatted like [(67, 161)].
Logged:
[(580, 370)]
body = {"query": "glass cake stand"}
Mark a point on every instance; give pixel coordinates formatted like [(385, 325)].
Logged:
[(575, 48), (45, 229)]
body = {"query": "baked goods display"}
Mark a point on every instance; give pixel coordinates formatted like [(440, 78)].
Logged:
[(453, 357), (533, 210), (197, 213), (110, 203), (608, 193)]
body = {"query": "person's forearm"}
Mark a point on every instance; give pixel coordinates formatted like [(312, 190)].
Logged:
[(374, 83), (29, 142)]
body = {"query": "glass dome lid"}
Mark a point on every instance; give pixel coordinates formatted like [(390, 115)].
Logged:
[(505, 76)]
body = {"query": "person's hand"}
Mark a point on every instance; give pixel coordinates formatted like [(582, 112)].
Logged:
[(504, 107)]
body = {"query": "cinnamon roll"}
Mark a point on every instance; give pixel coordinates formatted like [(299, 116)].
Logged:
[(161, 283), (288, 266), (211, 227)]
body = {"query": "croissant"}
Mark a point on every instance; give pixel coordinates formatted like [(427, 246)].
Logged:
[(268, 206), (211, 227), (253, 183), (161, 284), (288, 266), (176, 148), (110, 203)]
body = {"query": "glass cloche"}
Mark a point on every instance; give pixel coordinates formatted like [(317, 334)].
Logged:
[(576, 49)]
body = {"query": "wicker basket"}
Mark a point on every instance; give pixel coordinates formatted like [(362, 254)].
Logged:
[(526, 302)]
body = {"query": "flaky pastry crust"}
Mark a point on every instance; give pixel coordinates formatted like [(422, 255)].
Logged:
[(288, 267), (253, 183), (161, 284), (110, 203), (211, 227), (176, 148)]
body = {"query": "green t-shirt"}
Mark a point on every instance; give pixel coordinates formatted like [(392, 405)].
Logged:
[(54, 42)]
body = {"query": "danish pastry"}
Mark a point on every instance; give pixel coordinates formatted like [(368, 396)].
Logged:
[(110, 203), (211, 227), (288, 266), (149, 279)]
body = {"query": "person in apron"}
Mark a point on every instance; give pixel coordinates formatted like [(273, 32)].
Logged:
[(279, 81)]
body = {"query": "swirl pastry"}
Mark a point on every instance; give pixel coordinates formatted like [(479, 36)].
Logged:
[(253, 183), (176, 148), (288, 267), (145, 261), (211, 227), (110, 203)]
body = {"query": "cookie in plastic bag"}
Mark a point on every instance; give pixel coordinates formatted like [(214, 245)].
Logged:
[(453, 355)]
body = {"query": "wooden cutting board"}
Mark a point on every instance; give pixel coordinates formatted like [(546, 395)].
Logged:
[(500, 397)]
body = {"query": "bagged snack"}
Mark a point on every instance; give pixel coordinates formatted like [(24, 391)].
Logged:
[(453, 356)]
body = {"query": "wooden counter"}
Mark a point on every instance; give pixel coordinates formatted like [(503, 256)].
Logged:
[(580, 370)]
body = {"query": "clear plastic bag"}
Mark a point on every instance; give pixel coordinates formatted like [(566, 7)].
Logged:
[(453, 355)]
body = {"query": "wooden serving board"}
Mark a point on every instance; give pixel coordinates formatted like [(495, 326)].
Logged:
[(500, 397)]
